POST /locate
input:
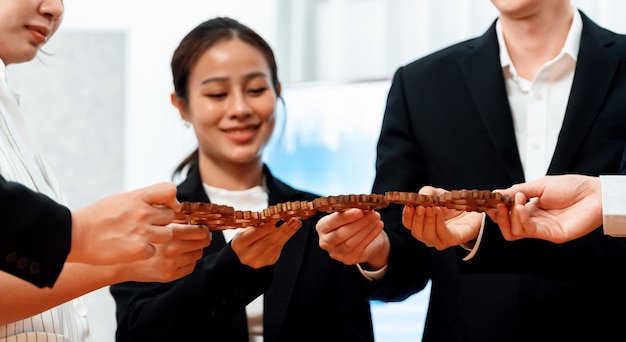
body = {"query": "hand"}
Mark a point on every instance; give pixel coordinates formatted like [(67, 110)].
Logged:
[(354, 237), (123, 227), (261, 246), (561, 208), (173, 259), (441, 227)]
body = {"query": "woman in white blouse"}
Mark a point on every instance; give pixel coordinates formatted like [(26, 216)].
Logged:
[(30, 313)]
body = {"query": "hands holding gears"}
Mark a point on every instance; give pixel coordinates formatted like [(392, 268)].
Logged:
[(220, 217)]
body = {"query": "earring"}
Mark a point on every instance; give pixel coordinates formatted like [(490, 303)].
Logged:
[(186, 123)]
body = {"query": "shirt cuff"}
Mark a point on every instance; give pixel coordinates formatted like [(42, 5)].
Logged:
[(473, 247), (372, 275), (613, 205)]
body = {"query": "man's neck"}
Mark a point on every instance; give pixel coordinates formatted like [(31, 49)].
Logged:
[(533, 41)]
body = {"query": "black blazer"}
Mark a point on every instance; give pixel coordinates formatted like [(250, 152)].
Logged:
[(308, 295), (36, 234), (448, 124)]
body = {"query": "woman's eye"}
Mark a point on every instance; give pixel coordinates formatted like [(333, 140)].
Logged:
[(258, 90), (217, 95)]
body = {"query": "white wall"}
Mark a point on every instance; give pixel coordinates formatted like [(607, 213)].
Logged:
[(154, 134)]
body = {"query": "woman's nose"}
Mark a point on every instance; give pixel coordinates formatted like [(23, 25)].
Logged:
[(240, 107), (52, 9)]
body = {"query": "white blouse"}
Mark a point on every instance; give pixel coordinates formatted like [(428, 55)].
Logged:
[(19, 162), (253, 199)]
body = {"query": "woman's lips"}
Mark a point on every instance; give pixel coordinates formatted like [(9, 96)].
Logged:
[(39, 33), (241, 134)]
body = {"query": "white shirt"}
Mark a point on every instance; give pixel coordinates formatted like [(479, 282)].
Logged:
[(253, 199), (614, 204), (538, 106), (19, 162)]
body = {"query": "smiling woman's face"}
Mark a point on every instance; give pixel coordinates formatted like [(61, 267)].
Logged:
[(231, 102), (27, 25)]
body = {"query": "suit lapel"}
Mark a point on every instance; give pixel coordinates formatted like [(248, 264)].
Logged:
[(287, 268), (286, 273), (485, 82), (191, 190), (595, 70)]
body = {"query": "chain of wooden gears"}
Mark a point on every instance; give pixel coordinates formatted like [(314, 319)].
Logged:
[(219, 217)]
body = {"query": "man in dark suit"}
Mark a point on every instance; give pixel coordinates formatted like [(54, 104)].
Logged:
[(541, 92), (39, 235)]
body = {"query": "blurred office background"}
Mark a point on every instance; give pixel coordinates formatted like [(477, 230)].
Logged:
[(97, 100)]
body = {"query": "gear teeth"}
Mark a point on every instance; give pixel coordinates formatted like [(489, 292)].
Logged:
[(220, 217)]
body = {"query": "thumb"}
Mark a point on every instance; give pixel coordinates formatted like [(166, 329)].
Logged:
[(163, 193), (529, 189)]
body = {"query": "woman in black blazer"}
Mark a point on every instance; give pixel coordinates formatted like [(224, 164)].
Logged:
[(44, 238), (273, 281)]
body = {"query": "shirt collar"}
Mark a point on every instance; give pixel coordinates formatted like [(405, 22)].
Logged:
[(571, 46), (3, 70)]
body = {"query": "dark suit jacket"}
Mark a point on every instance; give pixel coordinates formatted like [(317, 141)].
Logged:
[(308, 295), (36, 234), (448, 124)]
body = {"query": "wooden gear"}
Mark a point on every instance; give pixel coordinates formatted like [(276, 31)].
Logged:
[(220, 217)]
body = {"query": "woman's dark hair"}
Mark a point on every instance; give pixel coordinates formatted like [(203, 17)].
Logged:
[(198, 41)]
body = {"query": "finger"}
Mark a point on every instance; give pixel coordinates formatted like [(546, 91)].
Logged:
[(178, 246), (529, 189), (266, 251), (186, 264), (503, 219), (417, 223), (520, 198), (429, 227), (159, 215), (198, 245), (193, 247), (521, 223), (356, 243), (335, 220), (427, 190), (189, 232), (491, 212), (245, 237), (163, 194), (520, 219), (371, 235), (407, 216), (442, 237), (184, 270), (335, 238), (431, 191), (158, 229), (287, 231)]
